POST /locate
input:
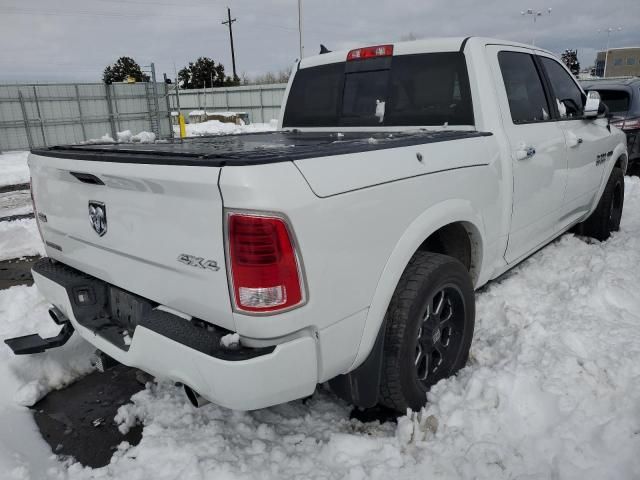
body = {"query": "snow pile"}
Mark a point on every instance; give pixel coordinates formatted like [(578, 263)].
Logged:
[(25, 379), (216, 127), (20, 238), (17, 202), (230, 340), (13, 168), (144, 137), (222, 114), (123, 137), (106, 138)]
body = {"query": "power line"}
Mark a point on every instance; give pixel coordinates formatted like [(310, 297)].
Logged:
[(16, 11), (161, 4)]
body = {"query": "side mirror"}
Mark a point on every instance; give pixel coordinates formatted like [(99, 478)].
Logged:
[(592, 105)]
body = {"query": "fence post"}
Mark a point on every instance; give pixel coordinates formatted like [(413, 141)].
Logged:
[(166, 96), (84, 131), (35, 97), (112, 123), (25, 119), (261, 106), (155, 98), (116, 113)]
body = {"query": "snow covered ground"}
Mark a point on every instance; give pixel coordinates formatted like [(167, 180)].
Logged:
[(16, 202), (19, 238), (13, 168), (552, 390), (216, 127)]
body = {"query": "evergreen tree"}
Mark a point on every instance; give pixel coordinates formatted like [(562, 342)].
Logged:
[(123, 68), (204, 73), (570, 59)]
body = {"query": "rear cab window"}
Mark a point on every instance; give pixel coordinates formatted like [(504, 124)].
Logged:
[(430, 89), (617, 100)]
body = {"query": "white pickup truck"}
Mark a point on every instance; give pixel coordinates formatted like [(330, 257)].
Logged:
[(344, 247)]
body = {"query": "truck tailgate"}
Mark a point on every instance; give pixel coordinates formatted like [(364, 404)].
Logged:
[(163, 235)]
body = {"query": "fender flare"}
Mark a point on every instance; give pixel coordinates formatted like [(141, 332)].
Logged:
[(620, 151), (431, 220)]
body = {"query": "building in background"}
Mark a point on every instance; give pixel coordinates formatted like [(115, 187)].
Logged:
[(621, 62)]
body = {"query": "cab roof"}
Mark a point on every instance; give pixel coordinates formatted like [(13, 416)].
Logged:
[(427, 45)]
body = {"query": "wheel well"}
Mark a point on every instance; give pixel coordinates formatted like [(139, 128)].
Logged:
[(621, 162), (459, 240)]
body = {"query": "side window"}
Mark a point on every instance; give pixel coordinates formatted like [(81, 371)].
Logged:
[(527, 101), (568, 95)]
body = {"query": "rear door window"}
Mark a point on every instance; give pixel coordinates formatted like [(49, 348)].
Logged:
[(431, 89), (527, 101)]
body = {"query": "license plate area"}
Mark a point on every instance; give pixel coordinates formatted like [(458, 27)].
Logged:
[(127, 309)]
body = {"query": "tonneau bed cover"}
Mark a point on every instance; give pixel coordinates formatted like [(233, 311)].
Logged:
[(251, 149)]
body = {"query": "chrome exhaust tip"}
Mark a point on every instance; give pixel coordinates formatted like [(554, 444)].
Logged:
[(195, 398)]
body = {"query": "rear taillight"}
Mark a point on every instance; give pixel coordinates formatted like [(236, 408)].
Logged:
[(265, 270), (631, 124), (370, 52)]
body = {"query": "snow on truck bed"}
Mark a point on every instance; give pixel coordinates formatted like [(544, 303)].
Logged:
[(552, 390)]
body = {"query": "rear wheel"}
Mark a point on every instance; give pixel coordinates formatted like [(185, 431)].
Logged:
[(430, 324), (607, 215)]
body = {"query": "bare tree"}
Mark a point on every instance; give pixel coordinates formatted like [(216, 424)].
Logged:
[(409, 37), (281, 76)]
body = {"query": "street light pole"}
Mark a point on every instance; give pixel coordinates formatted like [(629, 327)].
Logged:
[(300, 28), (606, 52), (534, 14)]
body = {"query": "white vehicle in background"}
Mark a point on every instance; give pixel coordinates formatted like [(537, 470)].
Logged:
[(346, 246)]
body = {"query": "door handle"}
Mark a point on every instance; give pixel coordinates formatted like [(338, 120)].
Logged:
[(525, 152)]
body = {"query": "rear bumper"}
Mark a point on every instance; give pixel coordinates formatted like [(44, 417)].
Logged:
[(243, 381)]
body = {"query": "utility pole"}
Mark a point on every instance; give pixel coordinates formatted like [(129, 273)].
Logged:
[(229, 22), (300, 28)]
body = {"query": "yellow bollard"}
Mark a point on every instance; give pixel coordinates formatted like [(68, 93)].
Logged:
[(183, 128)]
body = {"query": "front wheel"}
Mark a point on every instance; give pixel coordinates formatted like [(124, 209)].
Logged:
[(607, 215), (429, 327)]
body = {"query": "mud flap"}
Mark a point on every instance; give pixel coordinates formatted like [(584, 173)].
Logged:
[(361, 386)]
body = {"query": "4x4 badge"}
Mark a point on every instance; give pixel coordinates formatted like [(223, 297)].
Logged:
[(199, 262), (98, 217)]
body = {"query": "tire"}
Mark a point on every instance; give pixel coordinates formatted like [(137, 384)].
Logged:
[(606, 217), (429, 327)]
